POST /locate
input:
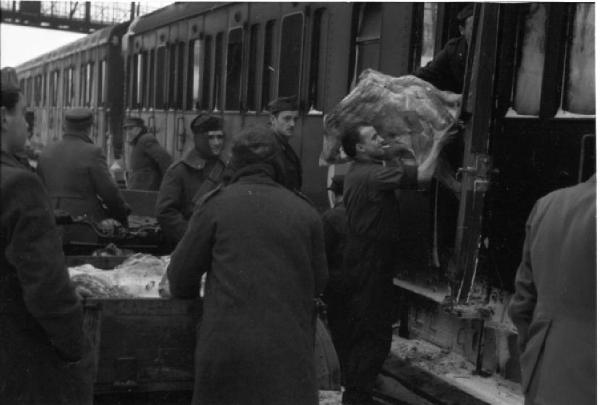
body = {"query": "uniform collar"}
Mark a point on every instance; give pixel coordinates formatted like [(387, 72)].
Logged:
[(193, 159), (10, 159), (78, 135)]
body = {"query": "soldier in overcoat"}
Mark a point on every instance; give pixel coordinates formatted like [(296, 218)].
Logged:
[(554, 305), (75, 172), (261, 246), (148, 161), (44, 355), (199, 171)]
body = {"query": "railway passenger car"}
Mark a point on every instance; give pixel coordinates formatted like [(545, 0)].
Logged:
[(85, 73)]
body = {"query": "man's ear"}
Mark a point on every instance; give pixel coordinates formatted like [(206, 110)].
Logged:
[(359, 147)]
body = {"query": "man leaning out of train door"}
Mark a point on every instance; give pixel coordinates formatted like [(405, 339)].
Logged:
[(148, 161), (374, 229), (283, 118), (199, 171), (447, 69), (76, 175), (44, 355), (261, 246)]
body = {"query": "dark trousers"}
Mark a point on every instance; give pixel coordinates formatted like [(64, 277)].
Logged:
[(368, 266)]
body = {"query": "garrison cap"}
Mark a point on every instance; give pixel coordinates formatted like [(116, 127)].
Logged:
[(204, 123), (134, 122), (283, 104), (78, 119), (9, 82), (465, 13), (337, 184)]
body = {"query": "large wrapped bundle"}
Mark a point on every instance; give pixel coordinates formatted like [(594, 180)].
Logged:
[(406, 110)]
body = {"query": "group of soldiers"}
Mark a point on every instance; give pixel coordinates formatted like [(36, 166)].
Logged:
[(266, 253)]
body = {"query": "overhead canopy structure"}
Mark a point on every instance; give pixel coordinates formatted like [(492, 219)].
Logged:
[(76, 16)]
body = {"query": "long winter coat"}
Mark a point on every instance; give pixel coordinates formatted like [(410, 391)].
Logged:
[(262, 247), (179, 191), (148, 163), (75, 173), (554, 306), (40, 316)]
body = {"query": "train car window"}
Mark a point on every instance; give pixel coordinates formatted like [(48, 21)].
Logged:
[(68, 90), (430, 13), (101, 82), (368, 40), (149, 102), (90, 81), (315, 101), (179, 89), (82, 85), (133, 72), (54, 79), (233, 80), (37, 90), (268, 64), (205, 95), (22, 85), (171, 73), (290, 53), (44, 89), (141, 79), (161, 61), (193, 91), (217, 84), (579, 92), (528, 89), (30, 91), (252, 71)]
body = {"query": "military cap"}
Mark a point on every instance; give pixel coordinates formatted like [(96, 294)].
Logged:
[(204, 123), (283, 104), (337, 184), (8, 81), (465, 13), (134, 122), (78, 119)]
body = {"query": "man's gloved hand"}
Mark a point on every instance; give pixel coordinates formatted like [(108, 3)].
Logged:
[(83, 293), (163, 287)]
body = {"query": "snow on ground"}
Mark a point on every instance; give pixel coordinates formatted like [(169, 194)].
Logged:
[(456, 370)]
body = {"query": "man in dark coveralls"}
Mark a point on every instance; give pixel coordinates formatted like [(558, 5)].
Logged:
[(199, 171), (447, 69), (335, 230), (44, 355), (261, 246), (284, 115), (148, 160), (373, 226), (75, 172), (554, 305)]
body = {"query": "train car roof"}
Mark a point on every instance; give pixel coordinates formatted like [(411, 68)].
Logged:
[(97, 38), (172, 13)]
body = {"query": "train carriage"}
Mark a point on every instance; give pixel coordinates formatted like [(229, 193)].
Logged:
[(84, 73)]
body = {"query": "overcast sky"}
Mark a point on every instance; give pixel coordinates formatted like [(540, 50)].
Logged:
[(19, 44)]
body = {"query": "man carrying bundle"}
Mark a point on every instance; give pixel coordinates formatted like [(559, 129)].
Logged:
[(374, 229)]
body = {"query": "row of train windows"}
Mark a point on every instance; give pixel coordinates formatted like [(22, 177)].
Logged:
[(216, 81), (45, 89)]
